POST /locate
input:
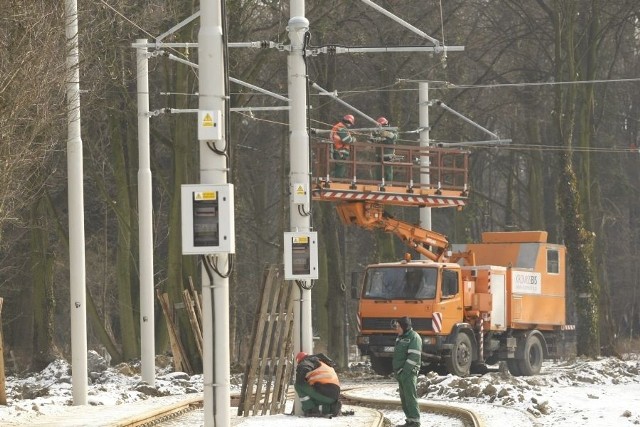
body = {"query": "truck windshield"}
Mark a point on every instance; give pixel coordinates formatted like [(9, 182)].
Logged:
[(400, 283)]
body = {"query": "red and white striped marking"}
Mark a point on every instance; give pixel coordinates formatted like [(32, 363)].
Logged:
[(568, 327), (359, 320), (436, 322), (391, 198)]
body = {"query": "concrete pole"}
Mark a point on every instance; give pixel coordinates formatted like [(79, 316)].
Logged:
[(299, 159), (77, 279), (145, 221), (425, 179), (213, 170)]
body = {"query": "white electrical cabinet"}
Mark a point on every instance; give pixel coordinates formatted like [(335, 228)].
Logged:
[(207, 219), (209, 125), (300, 255)]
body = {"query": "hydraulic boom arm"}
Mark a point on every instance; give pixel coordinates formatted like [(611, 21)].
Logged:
[(372, 216)]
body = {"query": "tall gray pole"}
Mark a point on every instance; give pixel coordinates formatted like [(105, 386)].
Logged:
[(299, 160), (425, 179), (213, 170), (145, 221), (78, 296)]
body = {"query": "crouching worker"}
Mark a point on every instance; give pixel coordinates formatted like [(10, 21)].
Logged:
[(317, 385)]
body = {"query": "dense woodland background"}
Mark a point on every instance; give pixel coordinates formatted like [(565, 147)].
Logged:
[(572, 169)]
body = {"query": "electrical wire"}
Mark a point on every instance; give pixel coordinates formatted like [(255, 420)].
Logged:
[(212, 264), (127, 19), (208, 269), (303, 284)]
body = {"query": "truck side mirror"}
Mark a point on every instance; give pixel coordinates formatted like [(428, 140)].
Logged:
[(355, 285)]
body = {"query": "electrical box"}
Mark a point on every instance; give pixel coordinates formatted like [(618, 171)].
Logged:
[(300, 193), (209, 125), (207, 219), (300, 256)]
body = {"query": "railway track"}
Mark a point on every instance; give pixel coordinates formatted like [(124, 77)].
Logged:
[(353, 396), (190, 412)]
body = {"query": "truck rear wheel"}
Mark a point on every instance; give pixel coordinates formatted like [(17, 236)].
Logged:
[(381, 365), (533, 356), (459, 361)]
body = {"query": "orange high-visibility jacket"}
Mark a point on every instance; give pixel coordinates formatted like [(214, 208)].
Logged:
[(340, 136), (323, 374)]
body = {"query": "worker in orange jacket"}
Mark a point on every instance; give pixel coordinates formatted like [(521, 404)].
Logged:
[(342, 140), (317, 385)]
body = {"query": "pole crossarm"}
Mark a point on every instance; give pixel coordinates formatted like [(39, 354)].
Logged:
[(346, 104), (177, 27), (327, 131), (467, 143), (466, 119), (262, 44), (403, 23), (332, 49)]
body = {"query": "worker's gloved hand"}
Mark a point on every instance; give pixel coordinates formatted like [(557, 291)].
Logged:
[(386, 134), (398, 373)]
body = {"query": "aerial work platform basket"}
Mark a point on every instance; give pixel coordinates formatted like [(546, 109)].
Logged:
[(404, 175)]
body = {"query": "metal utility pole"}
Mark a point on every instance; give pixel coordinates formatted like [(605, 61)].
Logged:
[(145, 221), (77, 279), (299, 161), (213, 170), (425, 178)]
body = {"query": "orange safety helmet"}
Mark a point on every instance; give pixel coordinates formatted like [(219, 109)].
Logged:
[(349, 119), (300, 356), (382, 121)]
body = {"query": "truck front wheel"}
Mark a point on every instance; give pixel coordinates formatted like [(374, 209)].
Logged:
[(459, 361), (533, 356), (514, 367), (381, 365)]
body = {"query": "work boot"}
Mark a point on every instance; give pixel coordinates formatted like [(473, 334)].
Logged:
[(336, 408), (313, 412), (409, 424)]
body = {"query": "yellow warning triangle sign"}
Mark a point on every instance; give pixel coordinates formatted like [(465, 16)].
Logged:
[(300, 190), (207, 121)]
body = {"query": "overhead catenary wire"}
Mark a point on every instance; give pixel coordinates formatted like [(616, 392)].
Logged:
[(442, 85)]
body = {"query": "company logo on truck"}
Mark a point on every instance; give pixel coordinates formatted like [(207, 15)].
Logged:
[(525, 282)]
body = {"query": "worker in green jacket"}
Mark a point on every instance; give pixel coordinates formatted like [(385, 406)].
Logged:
[(406, 364)]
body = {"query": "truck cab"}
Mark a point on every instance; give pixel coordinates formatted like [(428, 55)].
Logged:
[(426, 291)]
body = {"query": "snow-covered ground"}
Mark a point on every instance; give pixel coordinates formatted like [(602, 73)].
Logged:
[(604, 392)]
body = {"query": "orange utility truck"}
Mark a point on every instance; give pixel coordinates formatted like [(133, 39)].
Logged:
[(476, 305)]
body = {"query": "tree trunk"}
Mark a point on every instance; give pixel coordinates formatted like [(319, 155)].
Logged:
[(124, 262), (42, 262), (578, 239)]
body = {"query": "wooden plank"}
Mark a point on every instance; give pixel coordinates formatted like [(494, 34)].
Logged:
[(191, 314), (270, 348), (246, 393), (285, 362), (278, 317), (270, 319), (197, 300), (180, 361)]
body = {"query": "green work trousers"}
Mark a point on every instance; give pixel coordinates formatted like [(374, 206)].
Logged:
[(407, 382), (311, 399)]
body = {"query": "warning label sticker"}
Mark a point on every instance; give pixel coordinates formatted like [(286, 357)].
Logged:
[(205, 195), (207, 121)]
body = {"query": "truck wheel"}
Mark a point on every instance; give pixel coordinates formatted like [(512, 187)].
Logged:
[(381, 365), (459, 361), (514, 367), (533, 356)]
